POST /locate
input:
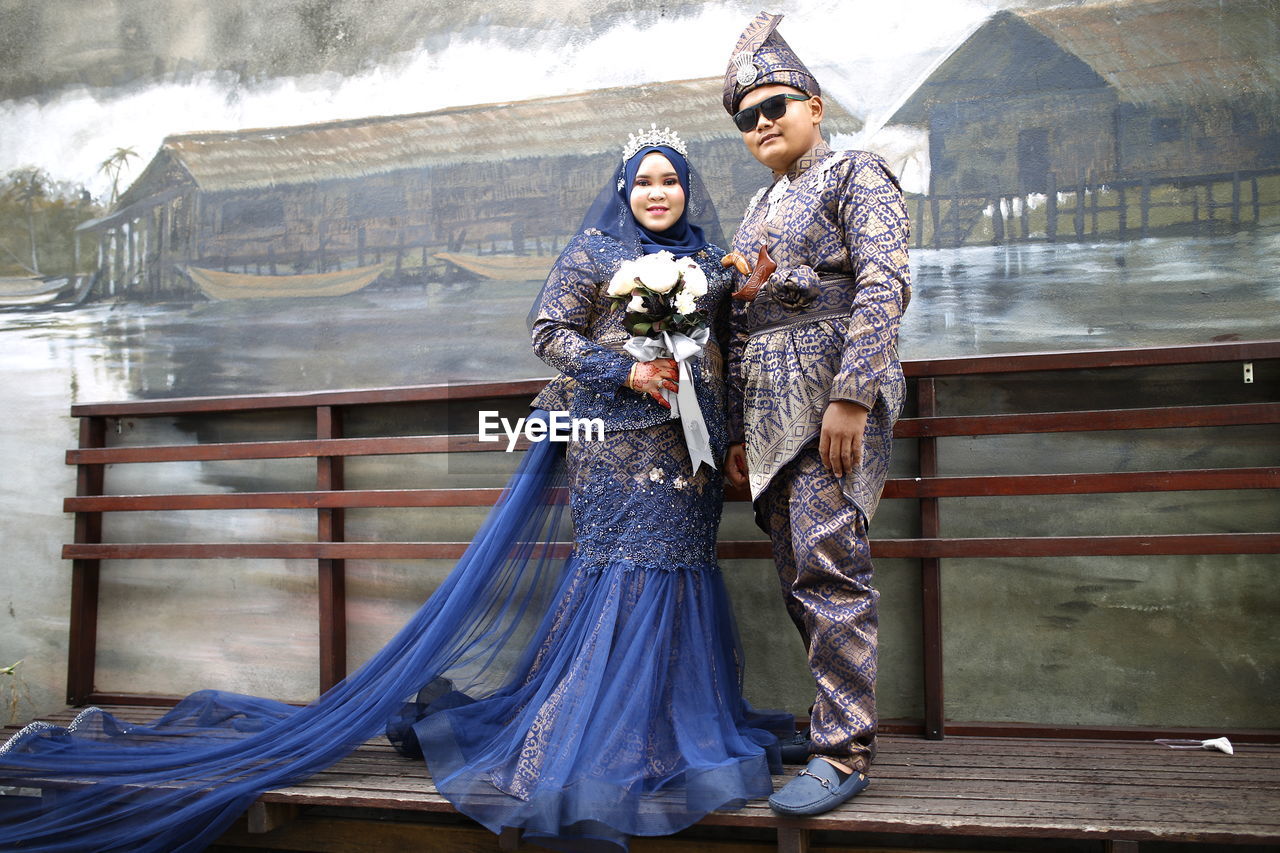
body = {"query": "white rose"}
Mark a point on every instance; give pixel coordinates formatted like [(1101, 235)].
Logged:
[(637, 303), (624, 280), (695, 280), (686, 302), (658, 271)]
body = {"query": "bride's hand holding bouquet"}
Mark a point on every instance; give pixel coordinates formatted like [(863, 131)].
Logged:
[(659, 293)]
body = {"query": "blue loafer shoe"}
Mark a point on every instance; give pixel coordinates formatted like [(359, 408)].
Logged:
[(816, 789)]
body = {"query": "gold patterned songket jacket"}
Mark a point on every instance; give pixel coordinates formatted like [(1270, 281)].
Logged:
[(826, 325)]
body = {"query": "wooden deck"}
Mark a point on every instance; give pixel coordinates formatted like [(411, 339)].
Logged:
[(1004, 793)]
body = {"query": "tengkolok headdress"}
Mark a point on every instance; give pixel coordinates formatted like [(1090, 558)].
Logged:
[(762, 57)]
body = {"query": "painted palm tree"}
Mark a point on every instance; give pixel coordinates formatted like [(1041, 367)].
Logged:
[(112, 167), (29, 186)]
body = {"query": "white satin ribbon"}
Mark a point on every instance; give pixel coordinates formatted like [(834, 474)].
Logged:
[(684, 404)]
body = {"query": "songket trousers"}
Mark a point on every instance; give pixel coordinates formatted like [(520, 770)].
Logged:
[(824, 564)]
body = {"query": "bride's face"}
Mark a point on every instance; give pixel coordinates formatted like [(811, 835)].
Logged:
[(657, 199)]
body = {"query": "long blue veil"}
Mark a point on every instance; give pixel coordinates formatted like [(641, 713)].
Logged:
[(100, 784)]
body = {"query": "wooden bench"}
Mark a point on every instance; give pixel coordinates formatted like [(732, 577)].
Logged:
[(1116, 793)]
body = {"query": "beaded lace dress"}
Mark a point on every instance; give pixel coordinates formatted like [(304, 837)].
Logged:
[(627, 716)]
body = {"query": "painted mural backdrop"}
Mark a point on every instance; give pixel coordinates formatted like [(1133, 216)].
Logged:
[(1083, 175)]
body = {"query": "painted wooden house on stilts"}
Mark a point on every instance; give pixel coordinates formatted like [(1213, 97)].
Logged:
[(1111, 120), (492, 191)]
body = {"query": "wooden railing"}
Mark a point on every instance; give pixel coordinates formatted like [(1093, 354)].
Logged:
[(926, 425)]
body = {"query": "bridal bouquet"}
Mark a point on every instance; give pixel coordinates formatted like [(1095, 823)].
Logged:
[(660, 292)]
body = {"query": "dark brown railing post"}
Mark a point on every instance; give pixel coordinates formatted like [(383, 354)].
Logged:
[(82, 646), (331, 579), (930, 573)]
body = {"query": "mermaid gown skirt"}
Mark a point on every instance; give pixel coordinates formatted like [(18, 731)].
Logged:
[(625, 714)]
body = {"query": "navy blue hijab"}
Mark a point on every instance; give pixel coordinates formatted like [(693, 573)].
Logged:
[(611, 213)]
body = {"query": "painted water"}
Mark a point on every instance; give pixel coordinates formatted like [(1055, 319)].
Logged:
[(972, 300), (966, 301)]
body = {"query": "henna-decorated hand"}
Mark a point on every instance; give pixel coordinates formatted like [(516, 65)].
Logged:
[(650, 377)]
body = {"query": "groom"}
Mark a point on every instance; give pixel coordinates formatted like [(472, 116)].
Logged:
[(816, 388)]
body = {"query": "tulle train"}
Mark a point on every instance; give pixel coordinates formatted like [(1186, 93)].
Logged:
[(582, 704), (176, 784)]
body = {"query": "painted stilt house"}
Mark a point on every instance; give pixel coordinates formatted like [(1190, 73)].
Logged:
[(1111, 119), (491, 190)]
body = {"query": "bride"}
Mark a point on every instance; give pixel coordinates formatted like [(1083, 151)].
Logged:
[(582, 698)]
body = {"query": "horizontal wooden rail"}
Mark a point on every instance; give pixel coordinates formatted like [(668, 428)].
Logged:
[(1032, 546), (349, 499), (973, 425), (1035, 362), (1090, 421), (301, 449), (950, 366), (1084, 484), (1082, 546), (271, 550), (311, 399), (940, 487)]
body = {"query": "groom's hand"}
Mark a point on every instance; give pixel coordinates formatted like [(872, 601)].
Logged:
[(840, 444), (735, 465)]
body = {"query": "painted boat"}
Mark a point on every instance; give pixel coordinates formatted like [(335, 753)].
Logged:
[(217, 284), (23, 291), (501, 267)]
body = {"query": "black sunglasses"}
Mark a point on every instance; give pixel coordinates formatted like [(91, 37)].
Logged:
[(773, 107)]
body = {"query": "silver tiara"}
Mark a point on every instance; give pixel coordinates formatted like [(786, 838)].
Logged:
[(653, 136)]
